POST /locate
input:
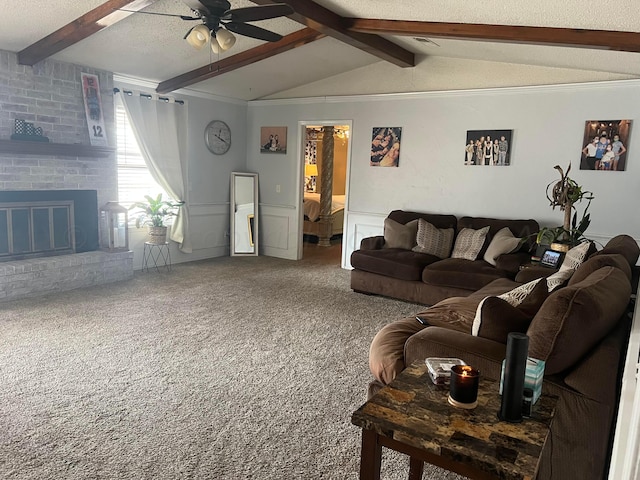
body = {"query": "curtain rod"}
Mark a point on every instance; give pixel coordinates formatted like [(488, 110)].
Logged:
[(148, 96)]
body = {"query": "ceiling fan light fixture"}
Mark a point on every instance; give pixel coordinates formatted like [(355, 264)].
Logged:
[(198, 36), (225, 39), (215, 47)]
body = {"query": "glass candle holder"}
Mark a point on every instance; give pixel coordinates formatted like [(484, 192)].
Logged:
[(463, 386)]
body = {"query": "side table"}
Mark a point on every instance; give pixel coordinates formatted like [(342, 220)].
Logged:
[(156, 255), (411, 415)]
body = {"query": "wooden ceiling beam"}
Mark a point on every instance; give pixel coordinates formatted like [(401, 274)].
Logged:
[(91, 22), (568, 37), (261, 52), (333, 25)]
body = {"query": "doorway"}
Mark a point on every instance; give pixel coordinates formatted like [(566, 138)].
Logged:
[(323, 222)]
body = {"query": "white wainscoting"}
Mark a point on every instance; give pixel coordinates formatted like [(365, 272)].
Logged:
[(279, 231), (359, 225)]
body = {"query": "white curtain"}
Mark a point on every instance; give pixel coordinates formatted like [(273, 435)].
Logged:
[(159, 128)]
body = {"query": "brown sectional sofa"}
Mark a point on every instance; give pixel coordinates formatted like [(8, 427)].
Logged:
[(427, 279), (580, 330)]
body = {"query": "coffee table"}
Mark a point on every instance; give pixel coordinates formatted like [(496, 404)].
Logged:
[(411, 415)]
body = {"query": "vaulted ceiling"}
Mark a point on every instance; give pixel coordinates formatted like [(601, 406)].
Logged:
[(325, 40)]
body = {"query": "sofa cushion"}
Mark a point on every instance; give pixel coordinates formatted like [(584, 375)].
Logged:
[(433, 240), (397, 235), (596, 262), (461, 273), (624, 245), (502, 242), (575, 318), (438, 220), (392, 262), (469, 242)]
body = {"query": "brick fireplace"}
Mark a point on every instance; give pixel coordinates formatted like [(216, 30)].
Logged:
[(49, 95)]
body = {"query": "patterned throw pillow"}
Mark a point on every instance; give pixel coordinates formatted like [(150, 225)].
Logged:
[(501, 243), (512, 311), (469, 243), (397, 235), (433, 240), (574, 257), (572, 260)]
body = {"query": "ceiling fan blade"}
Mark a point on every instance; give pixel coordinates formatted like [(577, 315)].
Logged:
[(196, 6), (252, 31), (259, 12), (183, 17)]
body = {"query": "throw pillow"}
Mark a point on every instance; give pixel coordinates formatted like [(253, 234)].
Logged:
[(510, 312), (397, 235), (433, 240), (498, 319), (572, 260), (528, 297), (502, 242), (469, 243), (558, 279), (574, 257)]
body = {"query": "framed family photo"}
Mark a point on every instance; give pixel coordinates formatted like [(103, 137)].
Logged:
[(385, 146), (273, 140), (604, 145), (488, 147)]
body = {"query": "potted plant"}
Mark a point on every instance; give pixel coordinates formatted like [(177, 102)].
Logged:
[(565, 193), (154, 213)]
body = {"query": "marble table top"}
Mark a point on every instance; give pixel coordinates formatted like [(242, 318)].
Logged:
[(415, 412)]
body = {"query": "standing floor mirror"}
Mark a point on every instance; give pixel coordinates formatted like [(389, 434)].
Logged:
[(244, 214)]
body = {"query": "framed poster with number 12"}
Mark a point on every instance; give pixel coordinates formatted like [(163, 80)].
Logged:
[(93, 109)]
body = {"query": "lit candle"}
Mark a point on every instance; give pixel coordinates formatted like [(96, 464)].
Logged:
[(463, 386)]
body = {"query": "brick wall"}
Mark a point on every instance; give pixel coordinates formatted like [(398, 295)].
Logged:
[(49, 95)]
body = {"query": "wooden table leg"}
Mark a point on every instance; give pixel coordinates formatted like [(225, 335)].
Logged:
[(371, 456), (415, 468)]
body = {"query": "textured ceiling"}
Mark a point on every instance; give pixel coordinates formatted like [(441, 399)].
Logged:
[(152, 48)]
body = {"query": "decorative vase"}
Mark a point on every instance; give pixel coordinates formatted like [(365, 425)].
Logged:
[(157, 235), (560, 247)]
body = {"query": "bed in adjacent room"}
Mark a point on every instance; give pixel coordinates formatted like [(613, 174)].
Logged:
[(311, 205)]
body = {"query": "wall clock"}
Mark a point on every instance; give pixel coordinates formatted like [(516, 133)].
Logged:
[(217, 137)]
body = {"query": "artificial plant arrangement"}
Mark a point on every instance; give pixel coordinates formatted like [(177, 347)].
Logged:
[(154, 213), (565, 193)]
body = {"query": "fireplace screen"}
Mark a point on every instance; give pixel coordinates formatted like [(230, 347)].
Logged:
[(36, 229)]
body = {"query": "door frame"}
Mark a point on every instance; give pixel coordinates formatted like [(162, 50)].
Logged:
[(302, 126)]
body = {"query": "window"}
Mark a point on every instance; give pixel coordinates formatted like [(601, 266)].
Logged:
[(134, 179)]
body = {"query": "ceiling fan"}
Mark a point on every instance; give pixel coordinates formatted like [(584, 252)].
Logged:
[(219, 20)]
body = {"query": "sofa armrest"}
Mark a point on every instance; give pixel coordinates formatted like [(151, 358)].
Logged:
[(372, 243), (484, 354), (511, 262), (533, 272)]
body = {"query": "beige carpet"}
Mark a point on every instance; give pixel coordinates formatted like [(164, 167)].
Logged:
[(235, 368)]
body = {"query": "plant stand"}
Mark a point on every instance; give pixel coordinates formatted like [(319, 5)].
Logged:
[(156, 255)]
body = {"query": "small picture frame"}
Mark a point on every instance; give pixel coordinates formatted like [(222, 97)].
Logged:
[(273, 140), (551, 258)]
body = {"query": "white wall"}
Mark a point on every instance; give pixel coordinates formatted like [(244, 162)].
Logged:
[(547, 123)]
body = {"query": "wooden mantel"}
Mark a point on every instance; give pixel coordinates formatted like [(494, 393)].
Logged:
[(53, 149)]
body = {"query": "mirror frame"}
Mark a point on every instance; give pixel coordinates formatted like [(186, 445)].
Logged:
[(232, 202)]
